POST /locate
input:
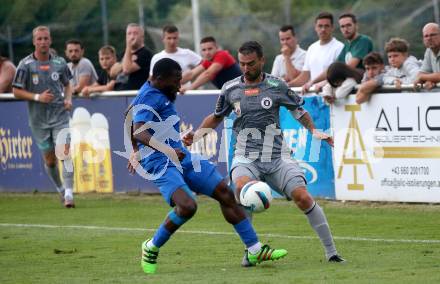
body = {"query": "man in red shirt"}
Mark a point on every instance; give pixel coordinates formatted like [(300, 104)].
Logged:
[(218, 66)]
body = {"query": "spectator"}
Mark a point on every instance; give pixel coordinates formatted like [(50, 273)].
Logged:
[(429, 74), (218, 66), (82, 69), (186, 58), (373, 76), (320, 54), (289, 63), (136, 60), (7, 72), (357, 46), (403, 68), (341, 78), (107, 58)]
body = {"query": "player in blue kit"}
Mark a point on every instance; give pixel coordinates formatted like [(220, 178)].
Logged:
[(178, 173)]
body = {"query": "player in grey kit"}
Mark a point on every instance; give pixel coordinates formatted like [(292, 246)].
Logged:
[(256, 98), (43, 80)]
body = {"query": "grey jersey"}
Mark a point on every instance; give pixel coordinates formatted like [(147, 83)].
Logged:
[(257, 126), (37, 76)]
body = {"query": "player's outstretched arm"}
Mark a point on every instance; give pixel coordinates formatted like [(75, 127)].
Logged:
[(208, 124), (307, 121)]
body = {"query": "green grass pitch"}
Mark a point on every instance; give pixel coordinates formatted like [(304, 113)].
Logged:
[(99, 242)]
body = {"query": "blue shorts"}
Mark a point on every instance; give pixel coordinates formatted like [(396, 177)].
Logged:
[(203, 179)]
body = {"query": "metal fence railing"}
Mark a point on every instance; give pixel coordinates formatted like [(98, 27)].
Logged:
[(312, 91)]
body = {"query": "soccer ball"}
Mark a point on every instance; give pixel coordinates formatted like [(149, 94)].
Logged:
[(256, 196)]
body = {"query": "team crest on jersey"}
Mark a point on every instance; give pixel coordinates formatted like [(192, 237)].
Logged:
[(35, 79), (237, 108), (252, 92), (55, 76), (266, 103)]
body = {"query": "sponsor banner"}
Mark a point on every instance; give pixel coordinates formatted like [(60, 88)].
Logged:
[(22, 167), (313, 155), (389, 148)]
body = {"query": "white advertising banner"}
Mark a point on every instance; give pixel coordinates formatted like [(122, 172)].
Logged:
[(388, 149)]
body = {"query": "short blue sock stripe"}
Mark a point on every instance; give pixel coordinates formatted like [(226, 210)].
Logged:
[(246, 232), (176, 219), (161, 237)]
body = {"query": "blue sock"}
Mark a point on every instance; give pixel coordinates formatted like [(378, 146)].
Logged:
[(161, 237), (246, 232)]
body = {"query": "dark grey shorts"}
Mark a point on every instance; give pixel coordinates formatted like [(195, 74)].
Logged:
[(46, 139), (284, 176)]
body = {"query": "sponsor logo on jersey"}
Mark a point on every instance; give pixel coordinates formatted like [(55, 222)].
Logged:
[(291, 93), (35, 79), (294, 97), (55, 76), (273, 83), (20, 76), (45, 67), (252, 92), (237, 108), (266, 103)]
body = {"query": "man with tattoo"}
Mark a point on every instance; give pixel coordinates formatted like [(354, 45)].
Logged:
[(256, 98)]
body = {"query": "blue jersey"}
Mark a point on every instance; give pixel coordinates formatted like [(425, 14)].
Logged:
[(153, 109)]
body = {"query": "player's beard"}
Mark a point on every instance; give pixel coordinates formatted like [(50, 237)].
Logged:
[(170, 93), (252, 77)]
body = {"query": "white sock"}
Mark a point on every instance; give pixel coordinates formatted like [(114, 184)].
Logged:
[(254, 249), (68, 194), (151, 246)]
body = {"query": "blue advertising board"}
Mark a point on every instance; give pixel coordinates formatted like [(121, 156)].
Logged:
[(21, 164), (22, 169)]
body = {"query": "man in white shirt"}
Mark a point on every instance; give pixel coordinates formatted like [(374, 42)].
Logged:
[(289, 63), (321, 53), (186, 58)]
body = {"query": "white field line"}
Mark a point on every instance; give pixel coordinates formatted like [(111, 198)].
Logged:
[(122, 229)]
